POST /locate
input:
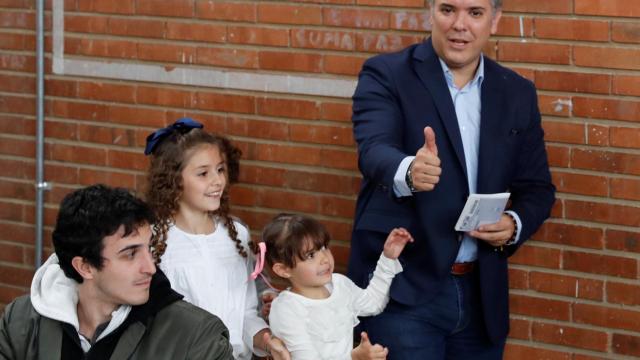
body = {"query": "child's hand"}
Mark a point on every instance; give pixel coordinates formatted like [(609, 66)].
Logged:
[(267, 297), (276, 348), (395, 243), (366, 351)]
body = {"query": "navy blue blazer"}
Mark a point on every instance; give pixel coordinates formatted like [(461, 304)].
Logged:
[(396, 97)]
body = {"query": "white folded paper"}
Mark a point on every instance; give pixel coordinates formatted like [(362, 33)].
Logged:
[(481, 209)]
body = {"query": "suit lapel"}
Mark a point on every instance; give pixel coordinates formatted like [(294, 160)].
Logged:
[(491, 99), (428, 68)]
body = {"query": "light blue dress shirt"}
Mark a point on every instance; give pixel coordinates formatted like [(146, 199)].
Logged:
[(467, 105)]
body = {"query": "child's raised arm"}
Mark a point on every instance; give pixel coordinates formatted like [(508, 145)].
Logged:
[(395, 243)]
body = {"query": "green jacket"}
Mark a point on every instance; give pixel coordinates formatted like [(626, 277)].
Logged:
[(166, 329)]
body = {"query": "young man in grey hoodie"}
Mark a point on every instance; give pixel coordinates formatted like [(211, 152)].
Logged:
[(100, 296)]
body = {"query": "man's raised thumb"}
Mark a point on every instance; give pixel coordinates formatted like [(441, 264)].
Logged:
[(430, 140), (364, 338)]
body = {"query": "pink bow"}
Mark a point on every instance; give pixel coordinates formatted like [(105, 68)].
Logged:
[(259, 261)]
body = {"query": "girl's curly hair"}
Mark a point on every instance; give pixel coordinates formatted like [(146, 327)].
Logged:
[(164, 182)]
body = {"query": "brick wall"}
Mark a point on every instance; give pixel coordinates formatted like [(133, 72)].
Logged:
[(575, 292)]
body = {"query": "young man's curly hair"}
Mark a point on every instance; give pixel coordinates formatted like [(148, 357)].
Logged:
[(164, 181)]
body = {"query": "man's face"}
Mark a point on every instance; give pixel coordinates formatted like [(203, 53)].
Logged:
[(127, 268), (460, 29)]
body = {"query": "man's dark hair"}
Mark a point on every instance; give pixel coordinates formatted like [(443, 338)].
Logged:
[(87, 216)]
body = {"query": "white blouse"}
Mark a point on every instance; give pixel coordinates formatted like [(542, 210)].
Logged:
[(211, 274), (322, 329)]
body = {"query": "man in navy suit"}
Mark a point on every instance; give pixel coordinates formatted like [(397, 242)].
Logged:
[(434, 123)]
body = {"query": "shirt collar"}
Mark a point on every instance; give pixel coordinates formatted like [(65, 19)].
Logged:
[(477, 79)]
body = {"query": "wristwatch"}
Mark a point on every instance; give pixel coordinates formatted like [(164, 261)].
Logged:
[(409, 180)]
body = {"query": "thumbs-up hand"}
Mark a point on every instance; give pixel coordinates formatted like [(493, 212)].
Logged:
[(425, 168), (367, 351)]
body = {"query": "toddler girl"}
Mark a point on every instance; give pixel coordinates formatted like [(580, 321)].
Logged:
[(199, 246), (316, 315)]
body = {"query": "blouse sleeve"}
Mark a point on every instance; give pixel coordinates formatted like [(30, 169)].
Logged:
[(373, 299)]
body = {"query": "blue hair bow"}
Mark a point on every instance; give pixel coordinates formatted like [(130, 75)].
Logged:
[(181, 124)]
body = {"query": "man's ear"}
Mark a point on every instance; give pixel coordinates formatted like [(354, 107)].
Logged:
[(281, 270), (83, 268)]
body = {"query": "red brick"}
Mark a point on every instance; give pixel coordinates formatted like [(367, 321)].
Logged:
[(625, 85), (534, 53), (106, 135), (106, 92), (228, 57), (328, 135), (411, 20), (255, 174), (275, 60), (77, 154), (321, 182), (539, 307), (607, 8), (289, 14), (339, 159), (59, 87), (17, 20), (21, 233), (98, 6), (572, 29), (226, 10), (623, 240), (108, 177), (61, 130), (563, 285), (628, 189), (605, 213), (558, 156), (356, 18), (225, 102), (17, 62), (398, 3), (600, 264), (9, 293), (15, 4), (564, 132), (16, 276), (625, 32), (335, 206), (605, 161), (165, 96), (343, 65), (534, 255), (384, 42), (581, 184), (572, 235), (519, 352), (136, 27), (17, 147), (341, 256), (138, 115), (519, 329), (540, 6), (17, 83), (299, 109), (100, 47), (572, 81), (625, 137), (607, 57), (165, 8), (127, 160), (621, 293), (554, 105), (17, 104), (611, 318), (288, 200), (626, 344), (335, 111), (61, 174), (19, 190), (196, 32), (598, 135), (320, 39), (258, 35), (286, 154), (569, 336), (259, 129), (17, 124), (86, 23), (243, 196), (170, 53), (518, 279)]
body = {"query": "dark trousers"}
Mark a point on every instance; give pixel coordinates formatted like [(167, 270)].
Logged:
[(449, 327)]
